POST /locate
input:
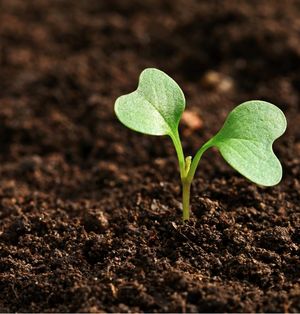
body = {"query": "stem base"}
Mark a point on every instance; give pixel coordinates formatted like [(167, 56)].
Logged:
[(186, 188)]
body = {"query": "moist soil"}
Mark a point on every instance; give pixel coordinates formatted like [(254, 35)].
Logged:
[(90, 213)]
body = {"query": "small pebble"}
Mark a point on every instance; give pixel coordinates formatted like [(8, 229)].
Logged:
[(192, 120), (216, 80)]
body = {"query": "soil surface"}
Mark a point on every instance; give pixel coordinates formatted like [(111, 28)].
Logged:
[(90, 214)]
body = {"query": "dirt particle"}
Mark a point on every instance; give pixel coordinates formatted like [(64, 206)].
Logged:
[(216, 80), (192, 120), (95, 221)]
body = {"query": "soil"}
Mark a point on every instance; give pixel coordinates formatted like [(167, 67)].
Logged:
[(90, 214)]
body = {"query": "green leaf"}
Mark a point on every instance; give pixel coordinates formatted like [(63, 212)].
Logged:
[(155, 107), (245, 141)]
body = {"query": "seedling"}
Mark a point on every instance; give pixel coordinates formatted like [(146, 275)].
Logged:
[(245, 140)]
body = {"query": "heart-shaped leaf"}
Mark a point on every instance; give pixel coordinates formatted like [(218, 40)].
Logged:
[(155, 107), (246, 138)]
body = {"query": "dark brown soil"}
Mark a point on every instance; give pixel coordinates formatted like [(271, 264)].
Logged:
[(90, 216)]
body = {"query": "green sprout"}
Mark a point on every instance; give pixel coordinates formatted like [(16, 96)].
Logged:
[(245, 140)]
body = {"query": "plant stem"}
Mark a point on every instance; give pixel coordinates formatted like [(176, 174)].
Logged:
[(177, 144), (196, 159), (186, 191), (187, 168), (190, 169)]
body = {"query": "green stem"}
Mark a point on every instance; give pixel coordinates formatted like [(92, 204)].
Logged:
[(178, 147), (186, 191), (191, 167), (187, 168), (196, 159)]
